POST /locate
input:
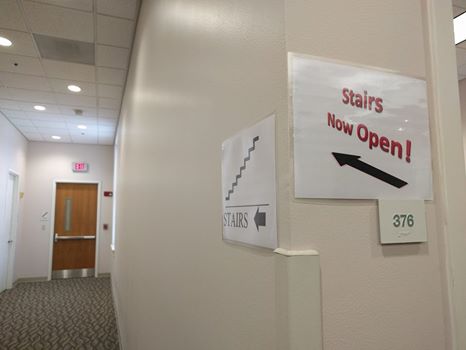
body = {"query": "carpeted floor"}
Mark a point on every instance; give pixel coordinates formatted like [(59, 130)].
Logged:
[(58, 315)]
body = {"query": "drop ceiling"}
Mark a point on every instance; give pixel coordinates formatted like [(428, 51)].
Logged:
[(28, 79)]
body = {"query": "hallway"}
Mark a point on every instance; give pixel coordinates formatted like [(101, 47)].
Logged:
[(60, 314)]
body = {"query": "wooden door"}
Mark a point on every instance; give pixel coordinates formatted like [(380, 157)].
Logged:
[(75, 227)]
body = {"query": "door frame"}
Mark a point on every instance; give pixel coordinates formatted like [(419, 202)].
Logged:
[(13, 228), (52, 222)]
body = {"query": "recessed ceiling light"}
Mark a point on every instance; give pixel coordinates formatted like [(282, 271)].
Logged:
[(5, 41), (459, 26), (74, 88), (56, 137), (39, 108), (82, 127)]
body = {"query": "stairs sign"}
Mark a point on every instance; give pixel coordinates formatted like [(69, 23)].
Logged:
[(359, 132), (249, 186)]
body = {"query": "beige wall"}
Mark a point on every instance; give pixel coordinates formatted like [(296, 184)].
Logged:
[(202, 70), (13, 150), (462, 90), (374, 297), (47, 162)]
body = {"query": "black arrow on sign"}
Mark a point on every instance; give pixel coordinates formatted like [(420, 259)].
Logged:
[(353, 161), (259, 218)]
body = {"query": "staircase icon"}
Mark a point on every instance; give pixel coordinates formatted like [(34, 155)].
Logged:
[(242, 168)]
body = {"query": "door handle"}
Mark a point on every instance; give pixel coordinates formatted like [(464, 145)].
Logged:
[(10, 241), (68, 238)]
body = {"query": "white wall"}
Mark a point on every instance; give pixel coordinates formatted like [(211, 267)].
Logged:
[(13, 149), (47, 162), (202, 70)]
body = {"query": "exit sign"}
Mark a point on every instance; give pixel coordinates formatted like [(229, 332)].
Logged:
[(80, 167)]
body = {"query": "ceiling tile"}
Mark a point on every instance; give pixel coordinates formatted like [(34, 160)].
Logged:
[(118, 8), (13, 114), (78, 121), (71, 71), (46, 124), (33, 136), (107, 122), (84, 5), (114, 31), (110, 91), (53, 131), (86, 111), (111, 76), (109, 103), (32, 129), (22, 43), (47, 136), (32, 114), (21, 122), (76, 100), (108, 113), (84, 139), (10, 15), (50, 108), (83, 133), (106, 131), (21, 64), (60, 22), (61, 86), (113, 57), (11, 105), (44, 116), (27, 95), (22, 81), (73, 127)]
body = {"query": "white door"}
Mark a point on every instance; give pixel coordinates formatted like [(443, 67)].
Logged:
[(6, 239)]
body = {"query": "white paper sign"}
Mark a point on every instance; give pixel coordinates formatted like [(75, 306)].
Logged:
[(249, 187), (359, 132)]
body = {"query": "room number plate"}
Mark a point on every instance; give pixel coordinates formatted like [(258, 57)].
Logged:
[(402, 221)]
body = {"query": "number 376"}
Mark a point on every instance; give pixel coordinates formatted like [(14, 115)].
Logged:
[(403, 220)]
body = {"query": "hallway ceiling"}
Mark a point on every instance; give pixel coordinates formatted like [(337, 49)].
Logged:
[(57, 43), (459, 6)]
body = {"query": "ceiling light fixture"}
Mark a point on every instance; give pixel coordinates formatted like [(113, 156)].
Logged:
[(82, 127), (39, 108), (74, 88), (459, 26), (5, 42), (56, 137)]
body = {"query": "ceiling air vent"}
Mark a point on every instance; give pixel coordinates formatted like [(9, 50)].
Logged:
[(65, 50)]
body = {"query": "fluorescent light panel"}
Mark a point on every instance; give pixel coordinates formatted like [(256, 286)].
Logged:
[(459, 25), (74, 88), (5, 42)]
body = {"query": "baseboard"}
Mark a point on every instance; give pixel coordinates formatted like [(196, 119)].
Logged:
[(104, 274), (29, 280)]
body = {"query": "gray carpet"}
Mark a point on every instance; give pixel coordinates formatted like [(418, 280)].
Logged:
[(58, 315)]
